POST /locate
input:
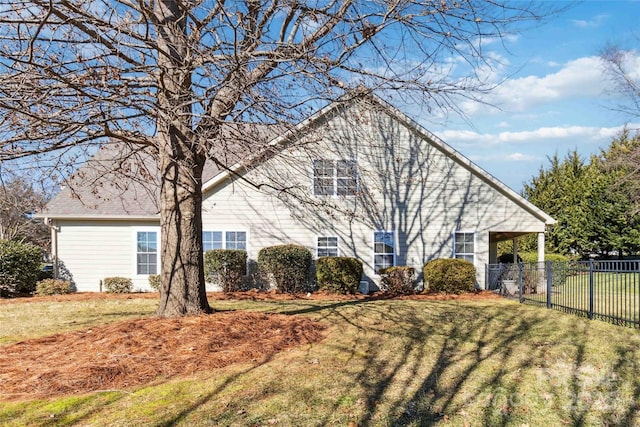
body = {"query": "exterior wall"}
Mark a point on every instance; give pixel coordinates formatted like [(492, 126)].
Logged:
[(93, 250), (406, 185)]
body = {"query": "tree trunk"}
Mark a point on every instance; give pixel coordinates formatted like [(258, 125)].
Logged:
[(181, 161), (182, 288)]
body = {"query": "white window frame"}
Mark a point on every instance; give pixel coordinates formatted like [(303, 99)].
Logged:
[(137, 230), (335, 178), (464, 255), (374, 253), (224, 236), (327, 236), (213, 231)]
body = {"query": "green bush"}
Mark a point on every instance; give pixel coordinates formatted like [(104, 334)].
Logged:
[(19, 267), (399, 280), (451, 276), (154, 282), (118, 285), (225, 267), (287, 266), (533, 257), (338, 274), (53, 287)]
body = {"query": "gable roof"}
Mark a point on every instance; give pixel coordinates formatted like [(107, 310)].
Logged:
[(97, 192)]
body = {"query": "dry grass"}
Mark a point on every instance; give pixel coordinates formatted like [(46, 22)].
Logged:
[(383, 363)]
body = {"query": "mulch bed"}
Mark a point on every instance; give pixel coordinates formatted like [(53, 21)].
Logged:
[(131, 353), (135, 352)]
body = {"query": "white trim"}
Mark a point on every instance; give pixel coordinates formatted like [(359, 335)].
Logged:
[(328, 236), (373, 249), (134, 235), (334, 176), (99, 217), (224, 232), (475, 244)]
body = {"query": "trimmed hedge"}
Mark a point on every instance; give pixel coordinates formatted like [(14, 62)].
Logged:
[(286, 266), (398, 280), (449, 275), (19, 267), (118, 285), (338, 274), (225, 267), (53, 287), (533, 257), (154, 282)]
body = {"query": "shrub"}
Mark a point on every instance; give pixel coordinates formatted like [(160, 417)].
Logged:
[(19, 267), (118, 285), (154, 282), (338, 274), (53, 287), (225, 267), (451, 276), (287, 266), (533, 257), (399, 280)]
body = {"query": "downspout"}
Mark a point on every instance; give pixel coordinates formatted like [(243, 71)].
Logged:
[(54, 244)]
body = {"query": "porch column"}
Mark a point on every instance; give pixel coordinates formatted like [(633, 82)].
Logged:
[(515, 251), (541, 247)]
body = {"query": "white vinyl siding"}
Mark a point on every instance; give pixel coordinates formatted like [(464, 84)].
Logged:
[(327, 246), (464, 246), (384, 250)]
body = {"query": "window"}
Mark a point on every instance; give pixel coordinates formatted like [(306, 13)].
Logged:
[(335, 177), (384, 254), (236, 240), (147, 252), (211, 240), (224, 240), (464, 245), (327, 246)]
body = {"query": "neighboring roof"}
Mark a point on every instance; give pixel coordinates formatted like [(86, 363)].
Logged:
[(96, 191)]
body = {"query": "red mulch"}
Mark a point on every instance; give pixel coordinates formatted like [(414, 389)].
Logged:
[(131, 353)]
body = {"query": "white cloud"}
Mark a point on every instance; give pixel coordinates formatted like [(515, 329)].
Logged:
[(575, 133), (582, 77), (504, 157), (595, 22)]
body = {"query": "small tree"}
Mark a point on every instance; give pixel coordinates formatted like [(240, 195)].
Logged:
[(19, 267)]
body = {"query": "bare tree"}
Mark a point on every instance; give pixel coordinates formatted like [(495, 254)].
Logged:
[(622, 67), (169, 74), (18, 202)]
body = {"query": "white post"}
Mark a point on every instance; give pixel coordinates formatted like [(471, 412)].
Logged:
[(541, 247)]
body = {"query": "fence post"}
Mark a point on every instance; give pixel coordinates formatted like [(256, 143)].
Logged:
[(590, 289), (520, 282), (549, 281)]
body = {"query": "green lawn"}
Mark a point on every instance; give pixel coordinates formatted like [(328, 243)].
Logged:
[(615, 294), (383, 363)]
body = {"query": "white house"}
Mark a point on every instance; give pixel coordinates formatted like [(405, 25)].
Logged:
[(359, 178)]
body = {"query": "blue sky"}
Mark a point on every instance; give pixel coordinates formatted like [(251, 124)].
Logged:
[(556, 97)]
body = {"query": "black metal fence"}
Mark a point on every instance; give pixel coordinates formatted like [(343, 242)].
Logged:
[(604, 290)]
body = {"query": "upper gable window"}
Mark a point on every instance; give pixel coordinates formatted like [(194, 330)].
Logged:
[(335, 177)]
